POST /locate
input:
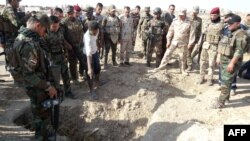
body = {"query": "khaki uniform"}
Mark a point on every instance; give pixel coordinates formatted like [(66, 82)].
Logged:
[(127, 38), (209, 49), (179, 36)]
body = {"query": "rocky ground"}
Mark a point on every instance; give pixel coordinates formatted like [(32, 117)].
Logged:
[(134, 105)]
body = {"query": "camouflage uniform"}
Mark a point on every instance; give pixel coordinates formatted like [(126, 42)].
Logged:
[(231, 46), (112, 28), (157, 29), (142, 30), (209, 49), (74, 35), (11, 23), (58, 62), (136, 19), (100, 40), (127, 37), (34, 73), (196, 31), (179, 36)]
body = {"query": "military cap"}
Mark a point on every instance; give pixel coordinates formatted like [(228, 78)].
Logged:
[(89, 9), (70, 9), (215, 10), (182, 11), (157, 10), (43, 19), (234, 19), (147, 9), (54, 19), (112, 8), (196, 9), (227, 12), (77, 8)]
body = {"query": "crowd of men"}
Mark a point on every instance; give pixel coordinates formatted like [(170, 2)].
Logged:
[(40, 50)]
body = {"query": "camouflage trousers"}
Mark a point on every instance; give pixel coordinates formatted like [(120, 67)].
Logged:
[(189, 55), (182, 54), (208, 56), (227, 78), (109, 44), (156, 45), (41, 116), (60, 69), (125, 51)]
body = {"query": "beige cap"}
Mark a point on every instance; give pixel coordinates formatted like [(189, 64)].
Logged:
[(182, 11), (112, 8), (196, 9)]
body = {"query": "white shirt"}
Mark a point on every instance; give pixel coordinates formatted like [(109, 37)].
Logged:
[(90, 46)]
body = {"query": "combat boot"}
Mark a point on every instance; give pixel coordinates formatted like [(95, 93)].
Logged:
[(148, 64), (115, 63), (189, 68), (201, 80), (210, 82), (94, 95), (70, 95), (183, 72)]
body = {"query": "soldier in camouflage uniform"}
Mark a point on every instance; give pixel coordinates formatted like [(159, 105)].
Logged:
[(196, 30), (126, 36), (34, 72), (112, 28), (74, 35), (99, 18), (10, 25), (142, 30), (55, 42), (178, 37), (210, 45), (157, 29), (136, 18), (231, 49)]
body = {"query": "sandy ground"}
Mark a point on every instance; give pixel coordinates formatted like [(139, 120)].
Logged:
[(134, 105)]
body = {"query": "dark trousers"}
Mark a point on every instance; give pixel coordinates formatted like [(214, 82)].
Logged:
[(96, 69), (109, 44)]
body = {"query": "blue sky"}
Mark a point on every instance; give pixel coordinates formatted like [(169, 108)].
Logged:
[(235, 5)]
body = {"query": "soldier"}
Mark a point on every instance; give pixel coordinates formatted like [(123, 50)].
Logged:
[(112, 28), (178, 37), (168, 18), (126, 36), (99, 18), (209, 49), (74, 35), (55, 41), (11, 23), (142, 30), (136, 18), (196, 30), (58, 12), (157, 29), (231, 48), (34, 72)]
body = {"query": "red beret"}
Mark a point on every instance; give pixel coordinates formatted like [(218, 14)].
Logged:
[(77, 8), (215, 10)]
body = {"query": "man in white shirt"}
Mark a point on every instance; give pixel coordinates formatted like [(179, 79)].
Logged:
[(92, 57)]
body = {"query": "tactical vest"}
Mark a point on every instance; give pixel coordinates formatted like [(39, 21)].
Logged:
[(112, 28), (55, 42), (74, 31), (156, 27), (226, 46), (145, 27), (127, 28), (213, 33)]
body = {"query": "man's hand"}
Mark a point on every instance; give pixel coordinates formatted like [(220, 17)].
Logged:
[(230, 67), (52, 91), (90, 73), (2, 45)]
